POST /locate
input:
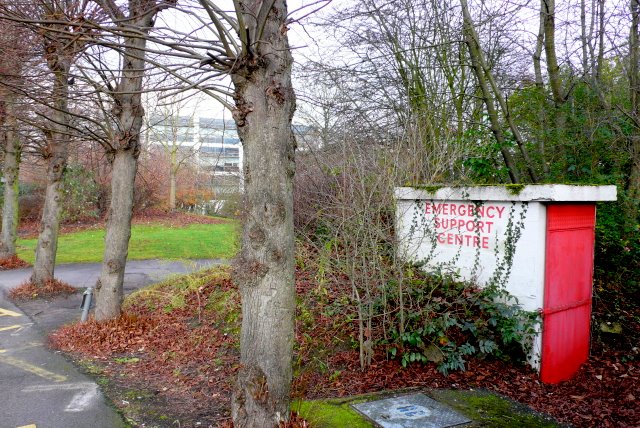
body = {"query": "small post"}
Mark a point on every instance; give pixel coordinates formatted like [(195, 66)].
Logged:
[(86, 303)]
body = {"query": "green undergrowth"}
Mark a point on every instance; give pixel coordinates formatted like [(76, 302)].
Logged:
[(197, 241), (451, 320), (182, 292)]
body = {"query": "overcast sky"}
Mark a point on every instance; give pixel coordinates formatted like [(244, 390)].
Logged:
[(301, 38)]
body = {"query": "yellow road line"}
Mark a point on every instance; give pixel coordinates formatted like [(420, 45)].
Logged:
[(29, 345), (38, 371), (28, 426), (8, 313), (11, 327)]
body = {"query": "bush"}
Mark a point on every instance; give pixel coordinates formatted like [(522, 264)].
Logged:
[(617, 254), (449, 320), (81, 194), (30, 202)]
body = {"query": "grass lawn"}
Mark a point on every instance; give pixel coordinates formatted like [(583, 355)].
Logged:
[(196, 241)]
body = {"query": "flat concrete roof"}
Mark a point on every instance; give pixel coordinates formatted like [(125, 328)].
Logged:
[(511, 192)]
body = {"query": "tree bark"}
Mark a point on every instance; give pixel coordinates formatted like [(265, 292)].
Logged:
[(126, 150), (265, 103), (537, 67), (553, 69), (173, 172), (12, 152), (118, 231), (47, 247)]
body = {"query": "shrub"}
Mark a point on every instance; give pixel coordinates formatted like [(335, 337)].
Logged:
[(449, 320), (81, 193), (617, 254)]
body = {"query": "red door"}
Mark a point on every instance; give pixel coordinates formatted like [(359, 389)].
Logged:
[(568, 290)]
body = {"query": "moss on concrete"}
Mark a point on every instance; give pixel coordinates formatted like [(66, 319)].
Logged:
[(331, 413), (484, 408), (488, 409), (429, 188), (515, 189)]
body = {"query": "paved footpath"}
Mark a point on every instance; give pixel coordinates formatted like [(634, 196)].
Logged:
[(39, 387)]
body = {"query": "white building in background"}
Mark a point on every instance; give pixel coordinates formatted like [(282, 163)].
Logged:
[(219, 150), (212, 144)]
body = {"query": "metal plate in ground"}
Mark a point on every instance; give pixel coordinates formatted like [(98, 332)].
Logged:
[(410, 411)]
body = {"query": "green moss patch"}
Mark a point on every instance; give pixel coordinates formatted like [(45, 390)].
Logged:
[(332, 413), (488, 409), (515, 189), (429, 188)]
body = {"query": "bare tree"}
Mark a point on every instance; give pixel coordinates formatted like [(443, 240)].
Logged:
[(14, 44), (132, 24), (63, 36), (171, 125), (479, 67), (259, 62)]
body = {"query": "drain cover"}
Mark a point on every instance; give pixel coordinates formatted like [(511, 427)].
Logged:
[(410, 411)]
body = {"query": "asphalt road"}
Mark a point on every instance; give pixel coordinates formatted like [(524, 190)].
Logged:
[(39, 387)]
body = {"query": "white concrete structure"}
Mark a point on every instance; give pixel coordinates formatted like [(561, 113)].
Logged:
[(473, 231)]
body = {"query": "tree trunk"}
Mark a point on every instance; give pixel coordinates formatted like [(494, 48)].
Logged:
[(553, 69), (583, 38), (265, 103), (548, 8), (126, 150), (12, 151), (118, 231), (537, 67), (173, 172), (44, 266)]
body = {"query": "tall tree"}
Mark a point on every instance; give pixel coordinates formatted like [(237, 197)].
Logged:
[(172, 126), (14, 50), (63, 35), (483, 76), (12, 147), (259, 62), (132, 25)]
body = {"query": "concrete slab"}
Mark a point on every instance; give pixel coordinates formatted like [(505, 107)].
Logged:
[(410, 411)]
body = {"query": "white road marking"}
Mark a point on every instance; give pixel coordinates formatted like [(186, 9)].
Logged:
[(79, 402), (82, 400)]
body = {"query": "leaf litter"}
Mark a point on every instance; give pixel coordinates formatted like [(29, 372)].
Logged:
[(182, 341)]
